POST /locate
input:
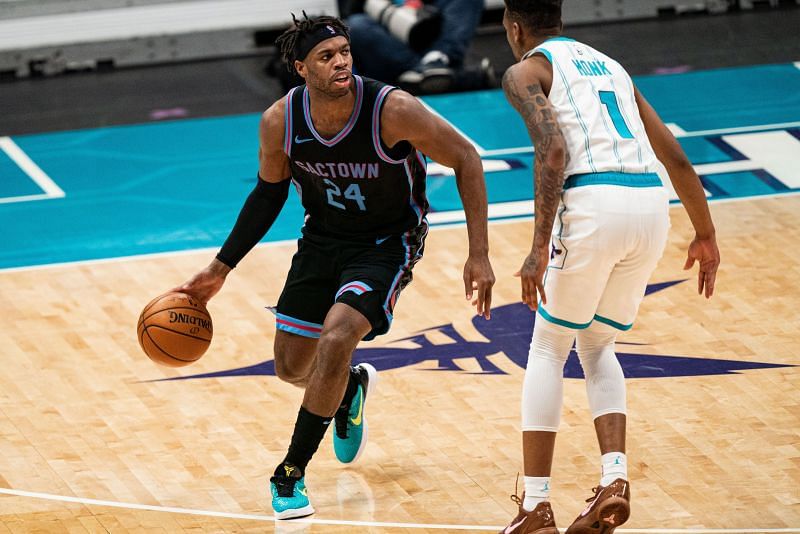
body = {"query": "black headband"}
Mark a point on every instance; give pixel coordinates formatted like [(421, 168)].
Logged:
[(309, 40)]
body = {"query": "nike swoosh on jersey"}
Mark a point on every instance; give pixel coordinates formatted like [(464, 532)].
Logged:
[(357, 419), (299, 140)]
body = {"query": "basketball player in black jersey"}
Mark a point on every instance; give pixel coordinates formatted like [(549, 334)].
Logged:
[(354, 149)]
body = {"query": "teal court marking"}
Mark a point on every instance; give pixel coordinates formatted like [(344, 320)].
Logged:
[(175, 186)]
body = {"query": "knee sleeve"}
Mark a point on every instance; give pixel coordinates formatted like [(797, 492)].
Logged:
[(543, 389), (605, 382)]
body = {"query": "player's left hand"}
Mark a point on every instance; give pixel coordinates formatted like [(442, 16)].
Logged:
[(532, 276), (479, 277), (705, 252)]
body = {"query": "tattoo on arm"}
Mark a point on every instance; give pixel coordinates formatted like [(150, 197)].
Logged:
[(540, 120)]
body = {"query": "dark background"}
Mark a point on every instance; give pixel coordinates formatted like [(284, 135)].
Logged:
[(240, 85)]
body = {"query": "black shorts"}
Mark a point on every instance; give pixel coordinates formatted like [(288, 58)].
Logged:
[(367, 276)]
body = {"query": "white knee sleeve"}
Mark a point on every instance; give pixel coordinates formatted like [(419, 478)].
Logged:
[(543, 390), (605, 382)]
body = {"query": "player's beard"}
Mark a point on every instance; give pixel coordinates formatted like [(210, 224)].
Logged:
[(330, 88)]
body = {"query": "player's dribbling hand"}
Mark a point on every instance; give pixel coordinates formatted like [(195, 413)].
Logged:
[(206, 283), (704, 251), (478, 276), (531, 276)]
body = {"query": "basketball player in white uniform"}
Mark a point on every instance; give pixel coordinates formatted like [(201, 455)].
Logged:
[(601, 226)]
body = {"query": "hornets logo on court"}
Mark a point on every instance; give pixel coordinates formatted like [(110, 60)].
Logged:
[(509, 332)]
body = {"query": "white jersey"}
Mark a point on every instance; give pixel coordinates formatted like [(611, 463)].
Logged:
[(596, 109)]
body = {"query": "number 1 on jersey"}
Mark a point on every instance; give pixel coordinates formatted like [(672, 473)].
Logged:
[(609, 100)]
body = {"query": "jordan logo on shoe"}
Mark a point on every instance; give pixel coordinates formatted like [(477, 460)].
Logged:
[(511, 528)]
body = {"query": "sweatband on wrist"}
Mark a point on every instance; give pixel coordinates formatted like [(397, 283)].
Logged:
[(256, 217)]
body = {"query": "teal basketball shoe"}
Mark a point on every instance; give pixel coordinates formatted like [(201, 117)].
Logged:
[(350, 435), (289, 494)]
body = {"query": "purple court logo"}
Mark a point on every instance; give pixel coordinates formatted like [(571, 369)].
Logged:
[(509, 332)]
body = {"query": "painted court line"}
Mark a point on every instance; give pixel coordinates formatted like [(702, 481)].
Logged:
[(51, 190), (265, 518), (229, 515), (25, 198), (499, 213), (676, 130), (120, 259), (743, 129)]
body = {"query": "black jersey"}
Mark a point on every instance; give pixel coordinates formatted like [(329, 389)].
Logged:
[(352, 185)]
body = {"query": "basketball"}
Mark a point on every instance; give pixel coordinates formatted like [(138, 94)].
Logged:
[(174, 329)]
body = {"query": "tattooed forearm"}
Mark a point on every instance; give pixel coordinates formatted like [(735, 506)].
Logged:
[(548, 141)]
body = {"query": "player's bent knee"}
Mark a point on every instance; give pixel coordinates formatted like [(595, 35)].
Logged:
[(335, 349), (294, 356), (289, 372)]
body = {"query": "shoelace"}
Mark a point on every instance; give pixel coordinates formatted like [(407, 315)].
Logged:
[(340, 422), (514, 497), (595, 491)]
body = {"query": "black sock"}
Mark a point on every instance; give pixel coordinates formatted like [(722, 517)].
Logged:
[(309, 429), (352, 388)]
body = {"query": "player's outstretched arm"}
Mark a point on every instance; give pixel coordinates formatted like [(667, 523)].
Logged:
[(523, 87), (703, 248), (258, 212), (404, 118)]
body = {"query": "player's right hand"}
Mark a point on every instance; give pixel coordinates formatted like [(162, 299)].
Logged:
[(206, 283), (531, 276)]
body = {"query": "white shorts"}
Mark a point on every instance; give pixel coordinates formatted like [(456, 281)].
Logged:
[(607, 240)]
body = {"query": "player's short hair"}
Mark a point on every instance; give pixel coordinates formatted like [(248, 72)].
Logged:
[(293, 42), (536, 15)]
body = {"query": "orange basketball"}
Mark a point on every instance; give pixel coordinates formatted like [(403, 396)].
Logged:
[(174, 329)]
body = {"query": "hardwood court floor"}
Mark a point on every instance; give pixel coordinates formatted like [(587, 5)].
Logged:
[(79, 416)]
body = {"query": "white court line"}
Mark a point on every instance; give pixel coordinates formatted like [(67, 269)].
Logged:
[(676, 130), (743, 129), (36, 174), (508, 151), (265, 518), (118, 259), (523, 209), (229, 515), (24, 198), (509, 211)]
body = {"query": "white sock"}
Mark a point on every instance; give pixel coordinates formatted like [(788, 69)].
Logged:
[(614, 466), (537, 489)]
